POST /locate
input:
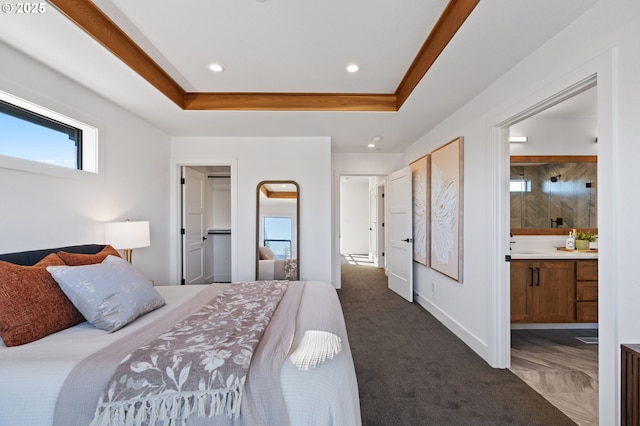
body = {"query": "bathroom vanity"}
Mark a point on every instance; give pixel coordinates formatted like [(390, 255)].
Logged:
[(552, 286)]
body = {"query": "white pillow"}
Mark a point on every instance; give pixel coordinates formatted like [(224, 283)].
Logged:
[(110, 294)]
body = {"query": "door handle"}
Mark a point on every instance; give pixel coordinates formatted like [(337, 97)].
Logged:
[(204, 238), (538, 282), (408, 240), (531, 270)]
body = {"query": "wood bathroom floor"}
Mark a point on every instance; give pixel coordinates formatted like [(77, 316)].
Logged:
[(561, 368)]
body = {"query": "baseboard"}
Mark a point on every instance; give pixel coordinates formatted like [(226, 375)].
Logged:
[(471, 340)]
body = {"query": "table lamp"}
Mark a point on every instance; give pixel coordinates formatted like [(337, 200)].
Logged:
[(127, 235)]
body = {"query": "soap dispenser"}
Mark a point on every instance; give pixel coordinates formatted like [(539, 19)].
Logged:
[(570, 243)]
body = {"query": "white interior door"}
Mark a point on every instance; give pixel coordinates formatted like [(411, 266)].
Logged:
[(380, 230), (373, 225), (400, 233), (193, 224)]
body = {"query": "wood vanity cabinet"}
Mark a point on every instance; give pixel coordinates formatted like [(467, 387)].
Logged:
[(543, 291), (630, 385), (587, 290)]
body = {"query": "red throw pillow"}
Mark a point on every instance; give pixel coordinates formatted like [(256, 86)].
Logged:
[(32, 305), (77, 259)]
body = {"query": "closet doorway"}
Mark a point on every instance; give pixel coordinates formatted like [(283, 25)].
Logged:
[(205, 231)]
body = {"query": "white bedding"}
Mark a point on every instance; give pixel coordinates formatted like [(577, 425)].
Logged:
[(31, 375)]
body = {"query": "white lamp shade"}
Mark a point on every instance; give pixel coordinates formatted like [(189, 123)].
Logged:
[(127, 235)]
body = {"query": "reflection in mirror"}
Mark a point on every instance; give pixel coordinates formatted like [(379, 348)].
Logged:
[(550, 195), (277, 230)]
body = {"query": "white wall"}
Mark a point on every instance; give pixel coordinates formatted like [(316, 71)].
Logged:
[(42, 211), (603, 41), (354, 217), (556, 136), (304, 160), (220, 202)]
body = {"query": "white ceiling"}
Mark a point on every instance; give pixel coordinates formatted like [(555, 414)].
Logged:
[(295, 46)]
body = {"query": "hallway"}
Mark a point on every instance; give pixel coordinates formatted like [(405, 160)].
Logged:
[(412, 370)]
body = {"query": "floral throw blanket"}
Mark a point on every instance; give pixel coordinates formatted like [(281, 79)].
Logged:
[(198, 367), (291, 269)]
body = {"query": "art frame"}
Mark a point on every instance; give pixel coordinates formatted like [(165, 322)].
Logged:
[(420, 197), (446, 216)]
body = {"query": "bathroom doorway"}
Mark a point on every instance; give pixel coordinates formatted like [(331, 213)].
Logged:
[(558, 360)]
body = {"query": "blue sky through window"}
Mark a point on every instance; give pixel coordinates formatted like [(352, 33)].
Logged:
[(23, 139), (278, 228)]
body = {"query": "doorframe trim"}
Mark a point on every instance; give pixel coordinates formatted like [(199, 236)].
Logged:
[(604, 67)]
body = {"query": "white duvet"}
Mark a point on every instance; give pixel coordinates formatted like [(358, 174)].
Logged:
[(32, 375)]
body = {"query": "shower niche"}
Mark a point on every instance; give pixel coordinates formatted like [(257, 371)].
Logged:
[(553, 192)]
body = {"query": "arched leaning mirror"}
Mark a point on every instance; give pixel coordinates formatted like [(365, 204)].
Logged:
[(277, 230)]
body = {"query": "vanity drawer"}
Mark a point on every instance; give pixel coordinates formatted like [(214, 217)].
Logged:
[(587, 311), (587, 270), (587, 291)]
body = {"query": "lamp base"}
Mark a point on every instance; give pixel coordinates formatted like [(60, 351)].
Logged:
[(127, 254)]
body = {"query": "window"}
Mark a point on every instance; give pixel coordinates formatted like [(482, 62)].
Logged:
[(30, 132), (520, 185), (31, 136), (277, 236)]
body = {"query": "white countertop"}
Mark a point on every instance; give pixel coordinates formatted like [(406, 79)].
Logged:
[(552, 254), (544, 247)]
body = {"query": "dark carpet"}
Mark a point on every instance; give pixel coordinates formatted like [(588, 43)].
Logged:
[(411, 370)]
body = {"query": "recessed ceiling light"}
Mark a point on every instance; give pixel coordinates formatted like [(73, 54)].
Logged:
[(518, 139), (372, 145), (216, 67), (352, 68)]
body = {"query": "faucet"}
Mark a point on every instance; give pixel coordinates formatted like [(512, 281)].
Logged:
[(558, 222)]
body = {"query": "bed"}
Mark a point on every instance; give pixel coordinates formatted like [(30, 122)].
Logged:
[(59, 378), (270, 268)]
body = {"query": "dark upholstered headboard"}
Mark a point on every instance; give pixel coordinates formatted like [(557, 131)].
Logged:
[(32, 257)]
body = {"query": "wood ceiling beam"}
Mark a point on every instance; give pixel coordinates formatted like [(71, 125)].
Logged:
[(91, 19), (278, 194), (290, 102), (450, 21)]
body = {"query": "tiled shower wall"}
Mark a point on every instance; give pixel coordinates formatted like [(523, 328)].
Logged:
[(570, 198)]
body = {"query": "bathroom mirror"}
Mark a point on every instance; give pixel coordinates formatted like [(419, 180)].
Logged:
[(550, 195), (277, 230)]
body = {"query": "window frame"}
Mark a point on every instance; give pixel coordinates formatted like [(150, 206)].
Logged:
[(87, 151), (525, 186), (290, 240)]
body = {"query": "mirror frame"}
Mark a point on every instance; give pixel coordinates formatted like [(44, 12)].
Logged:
[(550, 159), (297, 239)]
